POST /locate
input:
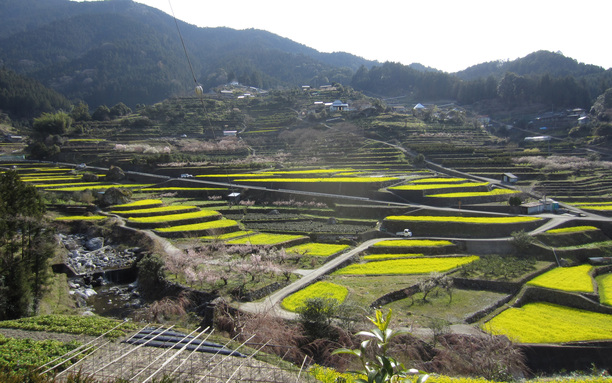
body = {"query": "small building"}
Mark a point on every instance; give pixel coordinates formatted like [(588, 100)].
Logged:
[(11, 138), (338, 106), (327, 88), (233, 198), (509, 178), (537, 139), (550, 204), (532, 208), (230, 133), (484, 120), (418, 109), (541, 206)]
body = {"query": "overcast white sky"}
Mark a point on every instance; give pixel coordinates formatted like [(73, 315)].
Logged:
[(450, 35)]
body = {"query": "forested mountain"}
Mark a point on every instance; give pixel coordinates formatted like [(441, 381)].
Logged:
[(541, 62), (541, 77), (112, 51), (106, 52)]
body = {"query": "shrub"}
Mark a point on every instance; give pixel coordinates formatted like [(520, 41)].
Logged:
[(521, 240), (316, 315), (150, 274), (514, 201), (381, 368)]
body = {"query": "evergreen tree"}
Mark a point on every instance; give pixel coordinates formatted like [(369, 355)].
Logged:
[(25, 246)]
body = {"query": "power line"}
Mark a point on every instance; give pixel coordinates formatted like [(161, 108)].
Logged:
[(198, 88)]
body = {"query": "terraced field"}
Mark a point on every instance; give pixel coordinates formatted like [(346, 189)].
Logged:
[(281, 137)]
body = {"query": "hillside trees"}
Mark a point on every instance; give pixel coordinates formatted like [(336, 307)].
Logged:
[(512, 89), (80, 112), (52, 123), (23, 97), (26, 245)]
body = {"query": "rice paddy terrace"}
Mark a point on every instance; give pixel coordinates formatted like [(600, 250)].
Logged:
[(308, 231), (314, 190)]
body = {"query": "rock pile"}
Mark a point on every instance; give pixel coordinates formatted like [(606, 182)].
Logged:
[(114, 299), (90, 255)]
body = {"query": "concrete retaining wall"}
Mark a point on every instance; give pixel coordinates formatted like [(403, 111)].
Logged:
[(538, 294)]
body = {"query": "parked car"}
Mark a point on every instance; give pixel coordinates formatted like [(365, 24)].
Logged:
[(405, 233)]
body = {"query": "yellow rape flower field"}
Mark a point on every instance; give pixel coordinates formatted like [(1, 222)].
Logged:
[(572, 279), (437, 180), (100, 187), (378, 257), (199, 226), (413, 242), (226, 236), (142, 202), (407, 266), (550, 323), (317, 290), (317, 249), (604, 283), (325, 374), (330, 179), (154, 210), (176, 217), (439, 186), (573, 229), (264, 239), (493, 192), (455, 219), (81, 218)]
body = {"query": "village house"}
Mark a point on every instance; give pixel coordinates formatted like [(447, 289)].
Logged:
[(541, 206), (418, 110), (509, 178), (338, 106)]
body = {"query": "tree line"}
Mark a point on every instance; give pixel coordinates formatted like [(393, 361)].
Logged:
[(393, 79), (23, 97)]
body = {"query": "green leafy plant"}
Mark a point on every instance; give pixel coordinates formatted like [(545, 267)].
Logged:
[(383, 368)]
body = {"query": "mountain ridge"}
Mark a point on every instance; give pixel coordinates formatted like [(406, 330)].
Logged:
[(122, 51)]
